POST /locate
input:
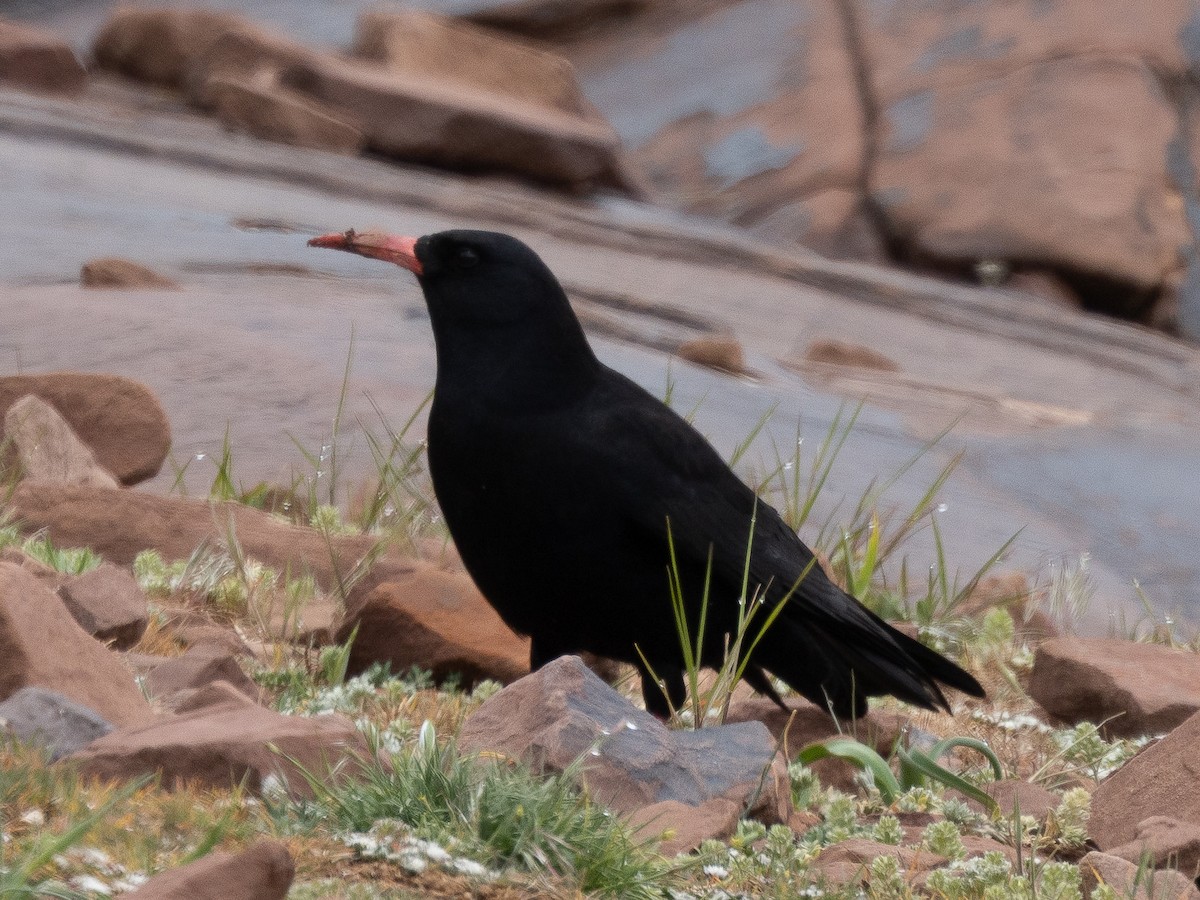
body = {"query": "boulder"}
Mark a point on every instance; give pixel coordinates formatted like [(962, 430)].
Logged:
[(1159, 781), (160, 44), (414, 42), (41, 645), (50, 720), (1167, 843), (1133, 688), (242, 54), (120, 524), (418, 118), (1012, 794), (108, 604), (263, 872), (123, 274), (224, 744), (48, 448), (37, 59), (437, 621), (179, 676), (1131, 881), (804, 723), (1030, 116), (838, 353), (563, 713), (265, 109), (120, 420)]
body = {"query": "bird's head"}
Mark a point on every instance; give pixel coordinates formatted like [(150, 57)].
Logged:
[(491, 299)]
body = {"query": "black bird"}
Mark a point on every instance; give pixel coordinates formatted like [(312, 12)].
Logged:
[(559, 479)]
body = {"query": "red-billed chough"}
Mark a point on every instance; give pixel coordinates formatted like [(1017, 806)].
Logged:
[(559, 479)]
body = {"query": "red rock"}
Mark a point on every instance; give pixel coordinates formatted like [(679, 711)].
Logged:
[(563, 713), (122, 274), (1159, 781), (120, 524), (1129, 881), (835, 223), (724, 354), (680, 828), (263, 872), (243, 54), (224, 744), (1012, 794), (414, 42), (213, 694), (47, 447), (198, 667), (806, 723), (1134, 688), (108, 604), (838, 353), (42, 646), (438, 621), (1169, 843), (272, 112), (1029, 117), (860, 852), (33, 58), (421, 119), (119, 419), (159, 45)]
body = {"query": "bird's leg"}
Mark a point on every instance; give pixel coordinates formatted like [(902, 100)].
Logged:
[(662, 698)]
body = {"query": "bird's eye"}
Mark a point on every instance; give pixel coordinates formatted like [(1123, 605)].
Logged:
[(465, 257)]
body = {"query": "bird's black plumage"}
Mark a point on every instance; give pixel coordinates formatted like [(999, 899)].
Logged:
[(559, 478)]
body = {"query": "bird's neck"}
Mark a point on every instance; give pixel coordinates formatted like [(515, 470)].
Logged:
[(515, 367)]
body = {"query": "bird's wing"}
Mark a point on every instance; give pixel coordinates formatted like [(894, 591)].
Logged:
[(671, 476)]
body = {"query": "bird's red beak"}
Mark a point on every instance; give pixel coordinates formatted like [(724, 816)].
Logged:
[(401, 251)]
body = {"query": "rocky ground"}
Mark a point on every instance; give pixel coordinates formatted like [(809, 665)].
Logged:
[(220, 525)]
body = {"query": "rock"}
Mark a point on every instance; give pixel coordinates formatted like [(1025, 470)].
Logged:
[(1133, 688), (37, 59), (119, 419), (806, 723), (50, 720), (716, 352), (563, 713), (122, 274), (52, 578), (48, 448), (1030, 116), (263, 872), (680, 828), (420, 119), (1167, 843), (220, 745), (438, 621), (835, 223), (198, 667), (159, 45), (272, 112), (242, 54), (42, 646), (1012, 794), (1128, 880), (860, 852), (751, 145), (108, 604), (212, 694), (838, 353), (120, 524), (413, 42), (1159, 781)]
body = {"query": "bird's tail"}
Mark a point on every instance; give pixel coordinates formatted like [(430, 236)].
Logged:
[(837, 665)]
